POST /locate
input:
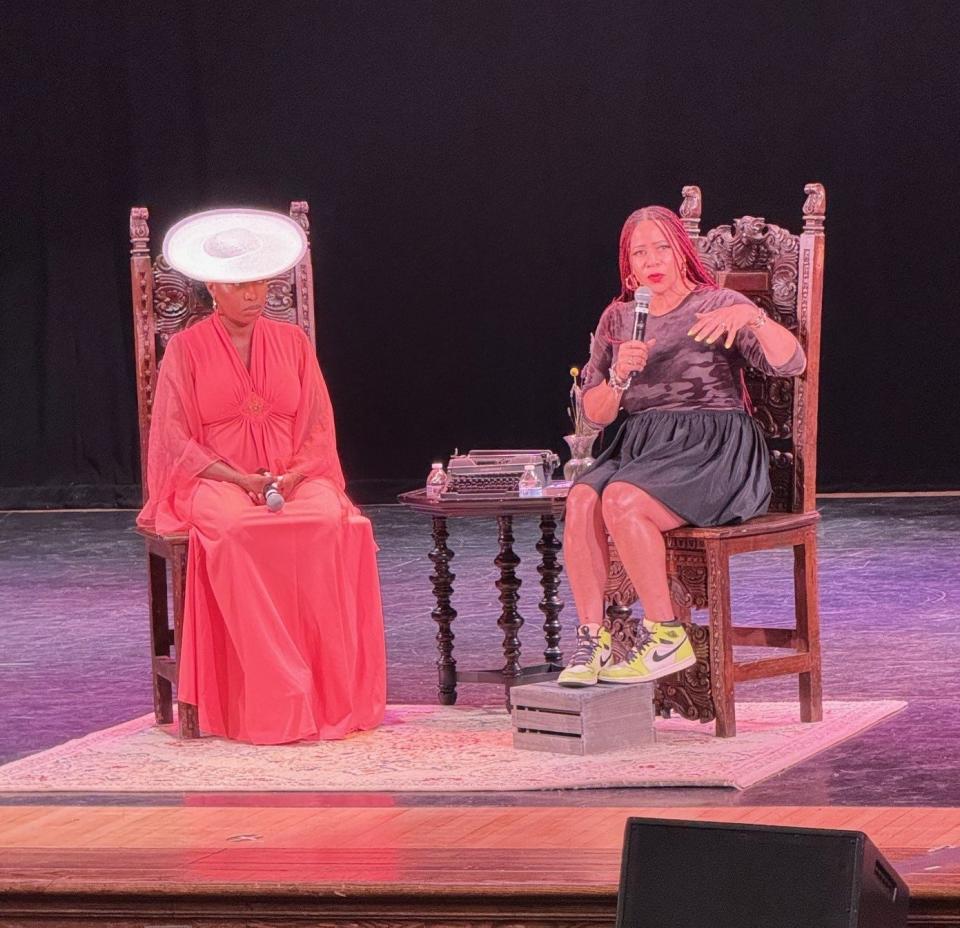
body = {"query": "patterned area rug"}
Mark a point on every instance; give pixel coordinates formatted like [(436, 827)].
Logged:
[(438, 749)]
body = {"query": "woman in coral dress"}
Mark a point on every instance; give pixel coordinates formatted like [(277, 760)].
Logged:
[(283, 626)]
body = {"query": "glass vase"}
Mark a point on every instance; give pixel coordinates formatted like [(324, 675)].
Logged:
[(581, 446)]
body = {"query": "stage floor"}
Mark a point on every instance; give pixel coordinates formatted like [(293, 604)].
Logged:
[(75, 640), (74, 633), (323, 860)]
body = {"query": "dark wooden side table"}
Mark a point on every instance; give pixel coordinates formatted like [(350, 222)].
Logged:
[(503, 509)]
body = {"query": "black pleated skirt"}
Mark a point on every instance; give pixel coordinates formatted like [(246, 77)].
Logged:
[(709, 466)]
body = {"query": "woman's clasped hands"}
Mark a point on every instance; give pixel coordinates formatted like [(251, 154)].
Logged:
[(255, 485)]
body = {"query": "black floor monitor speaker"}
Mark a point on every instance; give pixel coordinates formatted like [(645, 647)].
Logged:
[(711, 875)]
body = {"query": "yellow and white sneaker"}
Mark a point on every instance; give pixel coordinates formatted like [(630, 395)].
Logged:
[(665, 650), (592, 654)]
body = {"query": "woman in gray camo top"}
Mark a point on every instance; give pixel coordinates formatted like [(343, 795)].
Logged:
[(689, 452)]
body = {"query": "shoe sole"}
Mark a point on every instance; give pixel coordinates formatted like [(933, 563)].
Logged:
[(578, 683), (674, 668)]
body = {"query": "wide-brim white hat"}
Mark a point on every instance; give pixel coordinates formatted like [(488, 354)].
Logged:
[(232, 246)]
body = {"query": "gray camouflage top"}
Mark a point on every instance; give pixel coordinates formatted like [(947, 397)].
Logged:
[(682, 373)]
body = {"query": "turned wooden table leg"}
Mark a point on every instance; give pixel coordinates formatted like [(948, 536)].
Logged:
[(510, 620), (442, 579), (551, 605)]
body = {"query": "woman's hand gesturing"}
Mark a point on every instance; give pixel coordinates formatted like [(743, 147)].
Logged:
[(632, 356), (729, 319)]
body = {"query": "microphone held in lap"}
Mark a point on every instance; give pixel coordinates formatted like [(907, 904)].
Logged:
[(273, 498), (271, 493)]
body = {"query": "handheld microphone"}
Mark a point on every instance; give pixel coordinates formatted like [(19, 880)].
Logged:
[(642, 297), (273, 498)]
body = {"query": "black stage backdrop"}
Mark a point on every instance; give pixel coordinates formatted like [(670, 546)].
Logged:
[(468, 166)]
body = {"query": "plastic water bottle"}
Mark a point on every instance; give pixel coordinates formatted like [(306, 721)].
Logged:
[(530, 485), (436, 481)]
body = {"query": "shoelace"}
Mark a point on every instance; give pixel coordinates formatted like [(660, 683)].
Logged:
[(584, 651), (644, 642)]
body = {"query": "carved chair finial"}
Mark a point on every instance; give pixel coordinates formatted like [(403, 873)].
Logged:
[(690, 210), (298, 212), (815, 207), (692, 204), (139, 231)]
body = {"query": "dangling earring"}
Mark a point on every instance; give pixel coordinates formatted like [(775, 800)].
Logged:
[(216, 308)]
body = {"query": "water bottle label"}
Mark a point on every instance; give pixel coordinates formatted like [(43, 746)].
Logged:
[(436, 483)]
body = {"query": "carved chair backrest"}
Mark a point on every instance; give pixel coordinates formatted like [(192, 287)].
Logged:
[(165, 302), (783, 273)]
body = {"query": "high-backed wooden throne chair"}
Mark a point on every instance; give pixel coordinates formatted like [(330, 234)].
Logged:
[(783, 273), (164, 302)]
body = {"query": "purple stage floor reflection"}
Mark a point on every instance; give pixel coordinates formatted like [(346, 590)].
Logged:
[(74, 639)]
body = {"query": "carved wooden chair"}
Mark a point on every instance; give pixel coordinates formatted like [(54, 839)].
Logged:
[(164, 302), (783, 273)]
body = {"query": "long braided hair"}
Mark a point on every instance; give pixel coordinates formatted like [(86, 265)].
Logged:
[(683, 248)]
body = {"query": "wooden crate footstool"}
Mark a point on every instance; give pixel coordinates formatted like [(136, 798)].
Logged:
[(586, 720)]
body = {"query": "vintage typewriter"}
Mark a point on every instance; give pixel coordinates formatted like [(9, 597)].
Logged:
[(485, 473)]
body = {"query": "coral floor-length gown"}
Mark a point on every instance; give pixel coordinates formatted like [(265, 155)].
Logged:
[(283, 625)]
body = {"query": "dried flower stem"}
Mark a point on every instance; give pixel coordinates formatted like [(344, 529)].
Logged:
[(581, 425)]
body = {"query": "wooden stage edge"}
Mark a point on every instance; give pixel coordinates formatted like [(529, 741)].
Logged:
[(386, 867)]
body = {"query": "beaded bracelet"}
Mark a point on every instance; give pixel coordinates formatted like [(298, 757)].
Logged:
[(615, 383), (760, 320)]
